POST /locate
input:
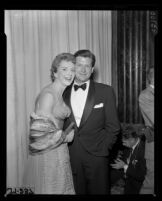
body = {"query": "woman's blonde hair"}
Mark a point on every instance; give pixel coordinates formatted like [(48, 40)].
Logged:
[(56, 62)]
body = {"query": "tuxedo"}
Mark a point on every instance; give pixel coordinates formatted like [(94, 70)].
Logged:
[(93, 138), (136, 171)]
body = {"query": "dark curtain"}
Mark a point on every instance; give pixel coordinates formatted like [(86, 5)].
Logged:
[(132, 54)]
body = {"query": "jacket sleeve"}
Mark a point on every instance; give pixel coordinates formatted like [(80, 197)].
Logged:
[(112, 125), (146, 108)]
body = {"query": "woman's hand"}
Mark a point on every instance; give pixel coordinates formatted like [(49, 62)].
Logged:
[(70, 136), (57, 136)]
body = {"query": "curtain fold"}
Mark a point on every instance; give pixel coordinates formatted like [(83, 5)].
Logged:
[(11, 112), (34, 38)]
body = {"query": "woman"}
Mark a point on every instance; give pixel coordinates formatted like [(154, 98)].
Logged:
[(48, 170)]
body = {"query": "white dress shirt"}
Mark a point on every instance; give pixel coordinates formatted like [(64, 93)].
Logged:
[(78, 100)]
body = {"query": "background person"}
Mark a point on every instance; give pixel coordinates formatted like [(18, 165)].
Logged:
[(146, 103), (131, 165)]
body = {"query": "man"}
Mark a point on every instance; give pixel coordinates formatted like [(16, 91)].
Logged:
[(146, 103), (96, 127), (131, 166)]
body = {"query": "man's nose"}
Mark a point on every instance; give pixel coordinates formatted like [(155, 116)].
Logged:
[(83, 69)]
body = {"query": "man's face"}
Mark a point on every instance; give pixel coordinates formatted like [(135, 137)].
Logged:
[(83, 69), (130, 142)]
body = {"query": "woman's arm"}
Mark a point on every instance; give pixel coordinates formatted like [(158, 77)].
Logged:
[(44, 134)]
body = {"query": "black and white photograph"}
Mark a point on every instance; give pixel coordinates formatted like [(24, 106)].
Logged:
[(80, 101)]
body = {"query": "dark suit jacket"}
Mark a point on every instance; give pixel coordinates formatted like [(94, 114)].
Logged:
[(136, 170), (137, 164), (99, 126)]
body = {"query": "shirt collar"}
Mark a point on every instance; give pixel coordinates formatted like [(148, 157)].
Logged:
[(152, 86), (134, 146), (87, 82)]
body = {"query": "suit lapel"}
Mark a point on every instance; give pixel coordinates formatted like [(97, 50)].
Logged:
[(67, 97), (88, 105), (135, 152)]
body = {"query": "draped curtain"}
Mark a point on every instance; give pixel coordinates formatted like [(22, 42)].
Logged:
[(134, 57), (34, 38)]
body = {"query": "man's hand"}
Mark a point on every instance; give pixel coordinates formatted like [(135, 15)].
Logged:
[(118, 164)]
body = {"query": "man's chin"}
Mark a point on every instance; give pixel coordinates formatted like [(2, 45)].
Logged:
[(84, 79)]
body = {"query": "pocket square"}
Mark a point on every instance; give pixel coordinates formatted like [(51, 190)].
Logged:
[(99, 105)]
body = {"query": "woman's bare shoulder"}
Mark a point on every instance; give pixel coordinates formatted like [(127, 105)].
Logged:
[(45, 100)]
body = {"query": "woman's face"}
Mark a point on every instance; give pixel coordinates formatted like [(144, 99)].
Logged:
[(65, 72)]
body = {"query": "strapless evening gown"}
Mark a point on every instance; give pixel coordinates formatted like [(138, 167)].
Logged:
[(50, 172)]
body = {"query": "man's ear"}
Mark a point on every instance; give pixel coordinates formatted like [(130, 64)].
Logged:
[(55, 74)]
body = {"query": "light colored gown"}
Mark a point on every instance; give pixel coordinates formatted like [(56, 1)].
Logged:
[(49, 172)]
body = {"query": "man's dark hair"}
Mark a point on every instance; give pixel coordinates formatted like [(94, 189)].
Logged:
[(86, 53), (128, 131)]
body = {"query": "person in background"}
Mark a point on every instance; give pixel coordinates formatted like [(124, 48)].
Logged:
[(146, 104), (130, 166), (94, 112), (48, 169)]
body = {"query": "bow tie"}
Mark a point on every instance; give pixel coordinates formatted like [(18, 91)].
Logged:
[(83, 86)]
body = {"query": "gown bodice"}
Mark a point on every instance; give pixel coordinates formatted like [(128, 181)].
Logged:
[(48, 168), (60, 112)]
